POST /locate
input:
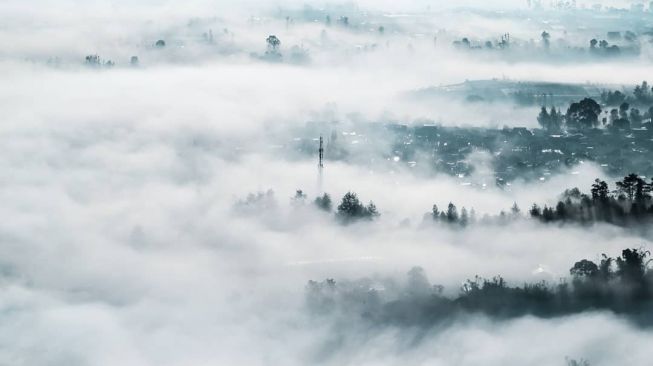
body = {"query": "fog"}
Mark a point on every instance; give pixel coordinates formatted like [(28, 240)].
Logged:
[(127, 235)]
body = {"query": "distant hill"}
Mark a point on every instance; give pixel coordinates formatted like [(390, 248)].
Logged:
[(520, 92)]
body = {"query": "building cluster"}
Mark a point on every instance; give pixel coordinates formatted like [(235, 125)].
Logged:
[(514, 153)]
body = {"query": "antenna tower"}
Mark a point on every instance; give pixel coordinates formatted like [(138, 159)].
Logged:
[(321, 154), (320, 165)]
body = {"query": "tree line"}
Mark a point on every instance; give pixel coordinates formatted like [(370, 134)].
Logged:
[(623, 111), (350, 209), (630, 203), (623, 285)]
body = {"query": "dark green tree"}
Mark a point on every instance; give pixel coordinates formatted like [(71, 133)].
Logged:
[(631, 266), (546, 39), (555, 120), (435, 213), (464, 217), (299, 198), (623, 110), (583, 114), (593, 43), (351, 209), (544, 119), (629, 185), (584, 268), (600, 190), (635, 117), (273, 43), (371, 211), (452, 213), (561, 211), (324, 202), (535, 211), (515, 210)]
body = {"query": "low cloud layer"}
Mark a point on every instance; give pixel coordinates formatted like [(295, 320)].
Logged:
[(120, 238)]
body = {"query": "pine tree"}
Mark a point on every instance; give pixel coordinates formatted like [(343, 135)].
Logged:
[(544, 119)]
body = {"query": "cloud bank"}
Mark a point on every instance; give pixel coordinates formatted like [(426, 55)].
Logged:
[(119, 241)]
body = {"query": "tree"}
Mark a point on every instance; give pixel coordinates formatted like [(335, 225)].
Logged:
[(535, 211), (583, 114), (418, 284), (273, 43), (299, 198), (600, 191), (614, 116), (257, 202), (642, 93), (435, 212), (515, 210), (593, 43), (545, 39), (544, 119), (623, 110), (631, 266), (351, 209), (443, 216), (555, 120), (561, 211), (93, 60), (548, 214), (452, 213), (96, 61), (464, 217), (613, 98), (642, 191), (371, 211), (605, 268), (584, 268), (629, 185), (574, 362), (160, 43), (324, 202), (635, 117), (350, 206), (472, 216)]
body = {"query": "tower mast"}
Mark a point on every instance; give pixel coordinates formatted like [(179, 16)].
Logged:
[(321, 154), (320, 165)]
